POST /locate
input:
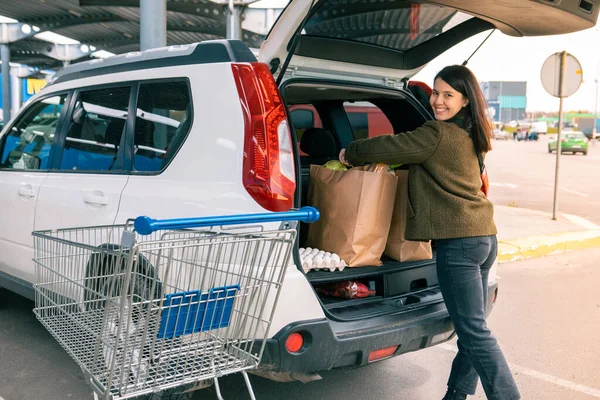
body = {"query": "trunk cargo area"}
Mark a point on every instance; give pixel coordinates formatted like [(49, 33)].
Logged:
[(399, 287), (349, 112)]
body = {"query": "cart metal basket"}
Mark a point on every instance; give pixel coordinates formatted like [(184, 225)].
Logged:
[(157, 304)]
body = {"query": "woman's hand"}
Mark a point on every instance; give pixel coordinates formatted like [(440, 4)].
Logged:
[(342, 158)]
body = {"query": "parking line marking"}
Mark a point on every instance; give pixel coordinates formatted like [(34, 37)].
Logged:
[(577, 220), (542, 376), (574, 192)]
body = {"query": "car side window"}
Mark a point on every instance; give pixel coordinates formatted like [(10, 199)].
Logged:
[(95, 130), (162, 123), (367, 120), (27, 144), (303, 118), (359, 121)]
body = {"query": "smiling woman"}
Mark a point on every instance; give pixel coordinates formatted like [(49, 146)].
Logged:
[(447, 203)]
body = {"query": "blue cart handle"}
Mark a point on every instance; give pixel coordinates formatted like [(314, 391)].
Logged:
[(146, 225)]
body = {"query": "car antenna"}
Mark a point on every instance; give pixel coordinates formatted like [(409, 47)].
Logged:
[(478, 47)]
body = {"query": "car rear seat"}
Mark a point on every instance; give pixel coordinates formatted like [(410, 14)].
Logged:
[(320, 147)]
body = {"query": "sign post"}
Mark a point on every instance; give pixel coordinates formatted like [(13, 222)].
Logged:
[(561, 77)]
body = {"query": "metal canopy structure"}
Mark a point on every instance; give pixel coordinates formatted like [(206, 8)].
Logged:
[(111, 25)]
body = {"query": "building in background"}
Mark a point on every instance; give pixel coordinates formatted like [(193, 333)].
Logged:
[(508, 100)]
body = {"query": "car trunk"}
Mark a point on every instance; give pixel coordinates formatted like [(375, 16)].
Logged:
[(375, 48), (398, 286), (393, 40)]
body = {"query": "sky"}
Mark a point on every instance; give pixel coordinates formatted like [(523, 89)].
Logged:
[(507, 58)]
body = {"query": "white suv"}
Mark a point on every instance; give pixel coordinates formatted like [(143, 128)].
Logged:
[(204, 129)]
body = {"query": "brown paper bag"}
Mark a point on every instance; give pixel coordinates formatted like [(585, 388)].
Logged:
[(397, 247), (356, 212)]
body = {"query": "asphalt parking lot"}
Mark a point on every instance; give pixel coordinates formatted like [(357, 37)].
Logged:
[(547, 313), (545, 320)]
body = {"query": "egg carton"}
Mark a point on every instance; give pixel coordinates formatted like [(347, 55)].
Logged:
[(340, 268), (319, 260)]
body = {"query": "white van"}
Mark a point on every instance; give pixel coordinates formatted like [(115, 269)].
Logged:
[(539, 127), (203, 129)]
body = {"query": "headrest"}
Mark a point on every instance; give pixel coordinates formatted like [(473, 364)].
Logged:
[(422, 93), (318, 142), (78, 114)]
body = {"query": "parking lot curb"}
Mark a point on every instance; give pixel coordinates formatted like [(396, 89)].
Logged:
[(538, 246)]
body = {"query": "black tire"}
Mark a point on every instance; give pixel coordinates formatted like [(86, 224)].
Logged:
[(549, 150), (584, 153), (102, 291), (101, 266), (169, 394)]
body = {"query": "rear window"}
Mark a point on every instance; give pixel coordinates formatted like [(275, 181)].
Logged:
[(164, 111), (386, 23)]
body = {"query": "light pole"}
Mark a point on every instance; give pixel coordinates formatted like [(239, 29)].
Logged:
[(595, 111), (500, 104)]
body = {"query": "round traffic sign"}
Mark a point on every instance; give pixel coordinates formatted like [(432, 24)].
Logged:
[(551, 75)]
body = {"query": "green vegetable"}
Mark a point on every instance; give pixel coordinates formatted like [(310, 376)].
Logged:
[(335, 165)]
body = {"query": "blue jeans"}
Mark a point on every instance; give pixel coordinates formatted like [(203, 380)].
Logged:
[(463, 265)]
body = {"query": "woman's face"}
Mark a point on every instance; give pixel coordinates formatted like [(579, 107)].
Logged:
[(445, 101)]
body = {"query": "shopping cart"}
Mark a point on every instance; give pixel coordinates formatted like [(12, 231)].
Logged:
[(156, 304)]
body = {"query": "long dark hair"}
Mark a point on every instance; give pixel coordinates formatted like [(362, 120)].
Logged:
[(462, 80)]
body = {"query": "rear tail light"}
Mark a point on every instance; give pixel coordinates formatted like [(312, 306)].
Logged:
[(382, 353), (268, 167)]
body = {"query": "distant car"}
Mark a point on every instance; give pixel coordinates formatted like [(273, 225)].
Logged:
[(571, 142), (539, 127), (502, 135), (588, 134), (533, 136), (525, 134)]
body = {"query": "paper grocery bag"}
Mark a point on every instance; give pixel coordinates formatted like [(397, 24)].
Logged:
[(397, 247), (356, 212)]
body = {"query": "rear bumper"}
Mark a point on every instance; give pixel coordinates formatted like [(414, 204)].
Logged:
[(329, 344)]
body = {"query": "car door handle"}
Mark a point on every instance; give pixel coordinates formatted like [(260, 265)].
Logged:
[(98, 200), (26, 191)]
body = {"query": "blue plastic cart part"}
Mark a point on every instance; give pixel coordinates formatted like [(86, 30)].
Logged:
[(146, 225), (193, 311)]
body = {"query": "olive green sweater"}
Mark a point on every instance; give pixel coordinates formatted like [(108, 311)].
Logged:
[(444, 196)]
